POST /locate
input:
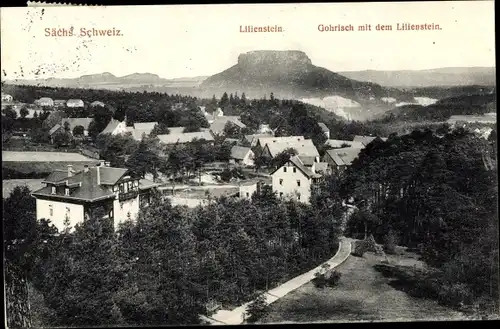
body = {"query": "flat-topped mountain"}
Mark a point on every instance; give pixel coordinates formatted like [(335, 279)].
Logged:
[(290, 74)]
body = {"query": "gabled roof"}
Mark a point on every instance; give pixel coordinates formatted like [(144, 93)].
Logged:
[(56, 176), (239, 152), (303, 147), (323, 127), (321, 167), (250, 138), (138, 133), (338, 143), (73, 122), (97, 103), (111, 126), (271, 139), (307, 160), (111, 175), (45, 99), (295, 160), (74, 102), (54, 129), (344, 156), (185, 137), (366, 139), (217, 126), (146, 126)]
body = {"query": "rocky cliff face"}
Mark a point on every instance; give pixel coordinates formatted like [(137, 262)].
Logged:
[(274, 61)]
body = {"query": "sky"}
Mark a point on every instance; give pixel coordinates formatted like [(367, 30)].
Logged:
[(201, 40)]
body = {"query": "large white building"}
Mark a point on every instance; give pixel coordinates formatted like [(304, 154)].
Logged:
[(294, 180), (71, 197)]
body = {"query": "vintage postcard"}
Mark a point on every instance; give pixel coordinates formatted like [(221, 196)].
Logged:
[(249, 163)]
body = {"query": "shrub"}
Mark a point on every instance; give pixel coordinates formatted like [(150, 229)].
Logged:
[(455, 294), (360, 247), (226, 175), (390, 242), (333, 279), (257, 309), (319, 280)]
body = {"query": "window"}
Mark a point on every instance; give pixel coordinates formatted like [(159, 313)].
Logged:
[(284, 169), (53, 190), (66, 191), (121, 206), (121, 188), (51, 211), (298, 182), (294, 169), (281, 194), (248, 194), (298, 196), (281, 181), (111, 213)]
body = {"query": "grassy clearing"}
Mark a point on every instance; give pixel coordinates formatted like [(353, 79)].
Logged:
[(363, 294)]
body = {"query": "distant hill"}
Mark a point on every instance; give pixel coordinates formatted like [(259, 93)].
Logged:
[(449, 76), (107, 80), (444, 108)]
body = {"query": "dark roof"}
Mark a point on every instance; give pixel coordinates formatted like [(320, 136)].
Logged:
[(307, 160), (295, 160), (110, 175), (54, 129), (87, 190), (323, 127), (56, 176), (344, 156), (239, 152)]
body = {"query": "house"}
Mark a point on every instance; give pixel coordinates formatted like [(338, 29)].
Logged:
[(322, 168), (183, 138), (44, 101), (97, 103), (338, 143), (242, 155), (53, 131), (75, 103), (115, 127), (305, 149), (253, 139), (219, 123), (294, 180), (365, 140), (59, 103), (7, 98), (325, 129), (212, 116), (339, 159), (145, 126), (248, 188), (73, 196), (73, 122), (264, 140)]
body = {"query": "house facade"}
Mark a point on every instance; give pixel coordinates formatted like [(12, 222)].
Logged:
[(44, 101), (294, 180), (70, 197), (247, 189)]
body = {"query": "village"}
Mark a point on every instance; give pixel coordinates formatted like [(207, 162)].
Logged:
[(294, 178)]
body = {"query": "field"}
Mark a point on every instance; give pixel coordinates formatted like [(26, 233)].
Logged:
[(9, 184), (363, 294), (43, 156)]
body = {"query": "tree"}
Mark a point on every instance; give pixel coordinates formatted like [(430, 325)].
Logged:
[(143, 161), (231, 130), (62, 139), (78, 130), (159, 129), (24, 112)]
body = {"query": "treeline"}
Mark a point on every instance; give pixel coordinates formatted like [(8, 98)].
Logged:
[(443, 109), (168, 267), (439, 195)]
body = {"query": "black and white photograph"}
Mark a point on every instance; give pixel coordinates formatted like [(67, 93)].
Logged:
[(237, 164)]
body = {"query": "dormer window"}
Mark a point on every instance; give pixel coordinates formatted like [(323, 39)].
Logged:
[(53, 190)]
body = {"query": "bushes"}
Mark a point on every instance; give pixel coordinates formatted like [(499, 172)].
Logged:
[(390, 242), (360, 247), (455, 294), (323, 278), (257, 309)]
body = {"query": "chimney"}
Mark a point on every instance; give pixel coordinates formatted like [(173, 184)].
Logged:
[(86, 168), (107, 164), (70, 170), (98, 175)]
